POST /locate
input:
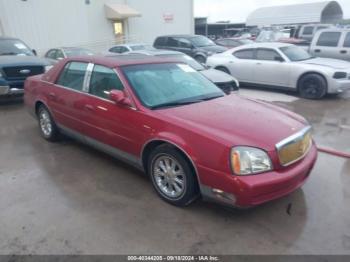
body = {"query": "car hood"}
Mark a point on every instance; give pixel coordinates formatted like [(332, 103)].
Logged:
[(213, 48), (217, 76), (328, 62), (234, 120), (23, 60)]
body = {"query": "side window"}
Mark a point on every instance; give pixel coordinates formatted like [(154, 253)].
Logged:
[(160, 41), (347, 40), (244, 54), (172, 42), (51, 54), (330, 39), (59, 54), (123, 49), (184, 43), (267, 55), (103, 80), (73, 75), (308, 30), (115, 49)]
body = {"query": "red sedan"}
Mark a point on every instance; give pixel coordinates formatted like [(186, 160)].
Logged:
[(177, 126)]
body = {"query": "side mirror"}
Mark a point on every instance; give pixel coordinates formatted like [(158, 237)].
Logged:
[(60, 58), (34, 52), (119, 98)]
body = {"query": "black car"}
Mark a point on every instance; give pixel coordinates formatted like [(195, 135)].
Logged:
[(197, 46), (17, 62)]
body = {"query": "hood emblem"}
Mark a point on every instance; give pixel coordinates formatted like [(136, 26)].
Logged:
[(25, 71)]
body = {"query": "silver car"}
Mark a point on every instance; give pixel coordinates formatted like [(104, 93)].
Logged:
[(223, 80), (284, 66)]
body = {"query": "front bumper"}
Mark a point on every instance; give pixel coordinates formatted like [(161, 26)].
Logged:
[(250, 191), (11, 88), (337, 86)]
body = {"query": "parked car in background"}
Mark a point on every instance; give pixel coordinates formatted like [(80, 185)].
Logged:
[(284, 66), (17, 62), (233, 42), (307, 32), (122, 49), (197, 46), (65, 52), (170, 121), (224, 81), (331, 43)]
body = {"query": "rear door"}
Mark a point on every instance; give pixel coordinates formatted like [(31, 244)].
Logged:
[(327, 44), (242, 64), (270, 69), (345, 48), (63, 95), (184, 45)]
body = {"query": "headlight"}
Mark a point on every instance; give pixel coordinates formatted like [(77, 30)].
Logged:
[(48, 67), (340, 75), (249, 161)]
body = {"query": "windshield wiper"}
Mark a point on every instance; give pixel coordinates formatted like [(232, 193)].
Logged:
[(177, 103), (211, 98)]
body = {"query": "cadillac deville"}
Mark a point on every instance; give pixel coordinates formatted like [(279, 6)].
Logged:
[(167, 119)]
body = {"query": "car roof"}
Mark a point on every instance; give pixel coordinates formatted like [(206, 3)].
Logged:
[(131, 44), (182, 36), (113, 61), (334, 29), (155, 52), (264, 45)]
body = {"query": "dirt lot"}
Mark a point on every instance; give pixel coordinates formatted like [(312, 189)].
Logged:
[(67, 198)]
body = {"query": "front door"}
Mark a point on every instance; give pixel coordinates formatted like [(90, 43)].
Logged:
[(270, 68), (107, 125)]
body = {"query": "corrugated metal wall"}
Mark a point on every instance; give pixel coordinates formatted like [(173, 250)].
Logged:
[(44, 24)]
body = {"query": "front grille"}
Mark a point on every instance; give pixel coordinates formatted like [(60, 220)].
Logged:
[(228, 87), (295, 147), (22, 72)]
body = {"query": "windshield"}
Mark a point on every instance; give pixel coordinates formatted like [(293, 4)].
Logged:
[(14, 47), (166, 85), (185, 59), (201, 41), (295, 53), (78, 52), (246, 41)]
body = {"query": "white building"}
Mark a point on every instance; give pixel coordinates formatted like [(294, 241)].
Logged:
[(95, 24), (326, 12)]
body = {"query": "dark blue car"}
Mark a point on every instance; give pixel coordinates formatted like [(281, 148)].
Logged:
[(17, 62)]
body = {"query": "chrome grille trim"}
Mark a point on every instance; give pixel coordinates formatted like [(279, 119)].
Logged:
[(294, 139)]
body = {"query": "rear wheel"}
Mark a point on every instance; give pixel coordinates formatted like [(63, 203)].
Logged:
[(172, 176), (312, 86), (47, 125)]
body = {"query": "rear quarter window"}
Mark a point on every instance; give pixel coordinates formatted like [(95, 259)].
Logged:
[(160, 41), (347, 40), (244, 54)]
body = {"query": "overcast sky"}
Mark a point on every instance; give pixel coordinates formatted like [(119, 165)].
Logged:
[(238, 10)]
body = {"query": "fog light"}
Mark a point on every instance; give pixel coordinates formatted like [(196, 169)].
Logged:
[(218, 193)]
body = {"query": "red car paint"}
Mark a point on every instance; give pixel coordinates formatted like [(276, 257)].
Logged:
[(205, 132)]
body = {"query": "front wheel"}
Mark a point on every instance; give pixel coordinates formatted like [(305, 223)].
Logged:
[(200, 59), (312, 86), (47, 125), (172, 176)]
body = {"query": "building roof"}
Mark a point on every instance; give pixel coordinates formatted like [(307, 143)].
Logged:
[(322, 12)]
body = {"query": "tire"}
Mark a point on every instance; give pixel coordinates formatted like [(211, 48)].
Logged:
[(200, 59), (312, 86), (223, 69), (172, 176), (47, 125)]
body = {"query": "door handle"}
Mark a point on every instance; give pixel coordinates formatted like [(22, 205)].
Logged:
[(343, 51), (89, 107), (317, 50)]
